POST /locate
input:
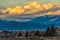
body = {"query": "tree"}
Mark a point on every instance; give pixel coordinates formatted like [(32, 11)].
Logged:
[(20, 34), (37, 33), (51, 31), (47, 32), (26, 34)]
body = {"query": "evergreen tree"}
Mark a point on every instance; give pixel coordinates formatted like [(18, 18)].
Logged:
[(26, 35), (47, 32), (20, 34), (37, 33), (51, 31)]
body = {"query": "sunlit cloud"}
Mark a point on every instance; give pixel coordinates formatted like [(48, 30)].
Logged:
[(29, 10), (16, 10)]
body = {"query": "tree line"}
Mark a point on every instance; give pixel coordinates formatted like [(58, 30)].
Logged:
[(50, 32)]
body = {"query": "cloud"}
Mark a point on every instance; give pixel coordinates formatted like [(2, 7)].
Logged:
[(35, 6), (15, 11), (29, 10)]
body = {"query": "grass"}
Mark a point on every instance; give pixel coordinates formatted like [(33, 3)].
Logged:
[(40, 38)]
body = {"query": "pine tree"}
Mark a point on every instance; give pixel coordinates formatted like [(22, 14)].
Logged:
[(26, 35), (47, 32), (51, 31), (37, 33), (20, 34)]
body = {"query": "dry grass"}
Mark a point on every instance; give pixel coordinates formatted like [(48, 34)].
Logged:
[(40, 38)]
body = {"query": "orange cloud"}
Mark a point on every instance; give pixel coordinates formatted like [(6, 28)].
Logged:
[(15, 11), (29, 8), (33, 5), (54, 12), (48, 6), (38, 6)]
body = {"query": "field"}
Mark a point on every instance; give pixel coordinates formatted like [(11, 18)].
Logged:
[(36, 38)]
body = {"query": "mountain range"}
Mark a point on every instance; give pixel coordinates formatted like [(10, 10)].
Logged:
[(39, 23)]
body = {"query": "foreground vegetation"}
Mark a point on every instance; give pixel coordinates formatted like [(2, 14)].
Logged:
[(49, 34)]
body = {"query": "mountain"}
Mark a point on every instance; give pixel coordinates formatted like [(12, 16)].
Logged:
[(39, 23)]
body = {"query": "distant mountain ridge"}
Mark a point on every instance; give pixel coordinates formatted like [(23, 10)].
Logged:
[(39, 23)]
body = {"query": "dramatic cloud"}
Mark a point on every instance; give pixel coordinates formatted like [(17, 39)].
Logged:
[(16, 10), (30, 7), (29, 11)]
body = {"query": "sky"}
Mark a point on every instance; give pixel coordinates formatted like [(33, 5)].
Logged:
[(25, 10), (8, 3)]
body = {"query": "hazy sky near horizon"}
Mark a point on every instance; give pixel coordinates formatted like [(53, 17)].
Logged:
[(21, 2)]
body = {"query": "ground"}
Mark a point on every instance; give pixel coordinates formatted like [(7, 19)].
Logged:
[(40, 38)]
